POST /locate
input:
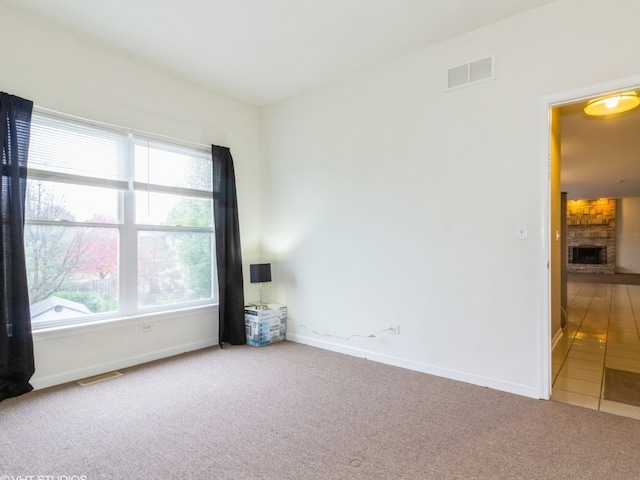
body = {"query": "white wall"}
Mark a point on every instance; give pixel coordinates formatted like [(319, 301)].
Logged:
[(387, 200), (628, 236), (70, 73)]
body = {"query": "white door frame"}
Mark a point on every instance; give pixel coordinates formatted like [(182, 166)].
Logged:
[(546, 103)]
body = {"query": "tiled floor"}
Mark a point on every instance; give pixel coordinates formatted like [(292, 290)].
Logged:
[(602, 330)]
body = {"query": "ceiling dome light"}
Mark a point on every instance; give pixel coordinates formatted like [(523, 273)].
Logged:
[(611, 102), (618, 103)]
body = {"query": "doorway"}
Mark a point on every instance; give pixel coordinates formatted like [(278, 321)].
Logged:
[(553, 233)]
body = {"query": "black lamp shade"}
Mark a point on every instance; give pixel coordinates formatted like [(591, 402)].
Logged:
[(260, 272)]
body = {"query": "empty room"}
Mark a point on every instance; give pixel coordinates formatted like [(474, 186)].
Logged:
[(396, 167)]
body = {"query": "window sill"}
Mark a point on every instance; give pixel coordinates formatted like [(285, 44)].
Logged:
[(119, 322)]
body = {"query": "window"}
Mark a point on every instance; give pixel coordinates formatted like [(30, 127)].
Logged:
[(116, 224)]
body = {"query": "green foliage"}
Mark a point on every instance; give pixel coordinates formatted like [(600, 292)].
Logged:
[(194, 250), (159, 279), (191, 212)]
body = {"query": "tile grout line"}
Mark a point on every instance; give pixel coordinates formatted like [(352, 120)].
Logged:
[(606, 347), (633, 312), (573, 339)]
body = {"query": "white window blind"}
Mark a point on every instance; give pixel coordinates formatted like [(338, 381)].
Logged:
[(162, 167), (60, 150)]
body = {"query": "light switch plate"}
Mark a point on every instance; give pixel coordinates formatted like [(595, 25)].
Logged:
[(521, 231)]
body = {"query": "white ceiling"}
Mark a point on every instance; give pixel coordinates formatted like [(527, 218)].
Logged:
[(600, 156), (263, 51)]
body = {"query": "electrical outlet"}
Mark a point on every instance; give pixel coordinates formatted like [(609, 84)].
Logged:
[(395, 329), (145, 327)]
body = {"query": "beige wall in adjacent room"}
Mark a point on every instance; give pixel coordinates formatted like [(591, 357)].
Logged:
[(628, 236)]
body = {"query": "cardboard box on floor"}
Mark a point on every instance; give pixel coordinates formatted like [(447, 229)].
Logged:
[(265, 326)]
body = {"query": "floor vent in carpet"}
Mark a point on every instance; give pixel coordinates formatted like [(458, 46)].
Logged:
[(98, 378)]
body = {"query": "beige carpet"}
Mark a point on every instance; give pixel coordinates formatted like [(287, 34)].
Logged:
[(289, 411)]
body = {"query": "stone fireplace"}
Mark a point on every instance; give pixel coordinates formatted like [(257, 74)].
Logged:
[(591, 236)]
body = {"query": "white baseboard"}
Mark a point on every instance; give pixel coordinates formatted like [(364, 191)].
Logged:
[(98, 369), (518, 389)]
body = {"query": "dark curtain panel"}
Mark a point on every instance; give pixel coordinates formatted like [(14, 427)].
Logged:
[(16, 343), (228, 254)]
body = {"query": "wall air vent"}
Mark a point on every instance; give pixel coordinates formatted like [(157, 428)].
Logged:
[(472, 72)]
